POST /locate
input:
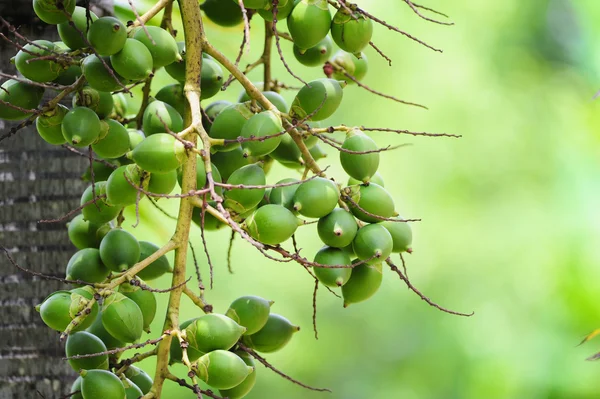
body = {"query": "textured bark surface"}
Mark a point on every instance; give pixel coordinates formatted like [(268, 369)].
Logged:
[(37, 181)]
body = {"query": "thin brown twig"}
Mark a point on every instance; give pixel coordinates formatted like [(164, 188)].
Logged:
[(381, 53), (72, 212)]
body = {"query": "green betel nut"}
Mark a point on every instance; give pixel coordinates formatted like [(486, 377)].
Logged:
[(284, 196), (271, 224), (375, 200), (21, 95), (359, 166), (276, 333), (99, 331), (159, 153), (48, 125), (122, 185), (213, 331), (401, 233), (155, 269), (98, 76), (332, 277), (134, 61), (119, 250), (52, 12), (81, 127), (85, 343), (319, 98), (316, 198), (144, 299), (116, 142), (314, 56), (223, 12), (251, 312), (70, 35), (107, 35), (338, 228), (263, 124), (242, 200), (101, 102), (173, 95), (140, 378), (228, 124), (84, 234), (38, 70), (373, 242), (160, 116), (351, 32), (161, 44), (241, 390), (222, 369), (101, 384), (309, 22), (122, 318), (86, 265), (101, 212), (363, 283), (60, 308), (132, 391)]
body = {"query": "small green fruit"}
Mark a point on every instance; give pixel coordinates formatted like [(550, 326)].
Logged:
[(309, 22), (363, 284), (321, 97), (157, 115), (242, 200), (85, 343), (250, 312), (211, 112), (211, 79), (84, 234), (139, 378), (119, 250), (359, 166), (229, 161), (132, 391), (98, 76), (49, 125), (223, 12), (159, 153), (228, 124), (175, 352), (53, 12), (76, 389), (254, 4), (263, 124), (287, 152), (81, 127), (119, 191), (107, 35), (71, 36), (337, 229), (222, 369), (61, 307), (241, 390), (332, 277), (284, 196), (116, 142), (314, 56), (21, 95), (101, 384), (100, 212), (376, 178), (155, 269), (122, 318), (177, 69), (69, 75), (316, 198), (213, 331), (351, 32), (272, 224), (284, 8), (101, 102), (38, 70), (354, 66), (401, 235), (144, 299), (161, 44), (375, 200), (275, 98), (162, 183), (276, 333), (173, 95), (374, 242), (134, 61), (99, 331), (86, 265)]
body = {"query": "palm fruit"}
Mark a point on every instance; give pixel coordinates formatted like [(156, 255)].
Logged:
[(49, 123), (101, 384), (229, 161), (144, 299), (211, 79), (373, 199), (132, 391), (99, 331), (69, 75), (175, 352), (401, 235), (338, 228), (119, 250), (263, 124), (284, 196), (287, 152), (284, 8), (159, 153), (254, 4), (273, 97), (314, 56), (376, 178), (241, 390), (317, 152), (174, 96), (250, 312), (100, 212), (316, 198), (116, 142), (241, 200), (119, 191), (222, 369), (86, 265), (223, 13), (228, 124), (158, 114), (211, 112), (76, 389), (38, 70), (61, 307), (84, 234), (101, 170), (122, 318), (134, 61), (71, 36), (373, 242), (161, 44), (53, 12), (354, 66), (98, 76), (309, 23), (177, 69), (21, 95), (330, 256), (85, 343), (139, 378), (107, 35), (162, 183), (351, 32), (201, 175), (276, 333), (363, 283), (321, 97), (213, 331), (271, 224), (135, 137), (359, 166), (81, 127), (101, 102), (155, 269)]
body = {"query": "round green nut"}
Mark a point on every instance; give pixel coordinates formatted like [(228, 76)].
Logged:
[(176, 353), (373, 242), (98, 76), (116, 142), (359, 166), (35, 69), (250, 312), (101, 384), (263, 124), (317, 152), (84, 234), (375, 200), (158, 114), (351, 32), (21, 95), (229, 161), (81, 127), (53, 11), (135, 137), (161, 44), (276, 333), (211, 79), (337, 229), (287, 152), (119, 250), (242, 200), (330, 256), (100, 212), (122, 318), (99, 331), (162, 183), (155, 269), (223, 13), (86, 265), (309, 23), (222, 369), (228, 124), (284, 8), (201, 175), (144, 299), (49, 125), (76, 389), (363, 283), (271, 224), (319, 98), (132, 391), (315, 56), (173, 95), (107, 35), (119, 190), (85, 343), (61, 307), (401, 235), (244, 388), (101, 102), (316, 198), (376, 178), (177, 69), (134, 61), (70, 35), (140, 378), (213, 331), (284, 196), (354, 66), (159, 153), (211, 112)]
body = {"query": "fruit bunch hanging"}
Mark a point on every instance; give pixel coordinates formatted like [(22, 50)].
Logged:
[(185, 144)]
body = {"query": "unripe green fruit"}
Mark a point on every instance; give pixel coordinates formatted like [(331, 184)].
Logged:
[(161, 44), (354, 66), (116, 142), (272, 224), (177, 69), (162, 183), (315, 56), (85, 343), (211, 112), (100, 212), (228, 124), (69, 75), (21, 95), (242, 200), (222, 370), (229, 161), (375, 200), (159, 153), (99, 331), (284, 196), (211, 79), (84, 234), (309, 22), (86, 265), (373, 241), (134, 61), (223, 12), (337, 229), (287, 152), (38, 70), (332, 277), (316, 198), (276, 333), (155, 269), (263, 124), (363, 284), (376, 178), (107, 35), (139, 378), (352, 33), (254, 4), (132, 391), (250, 312), (157, 115), (244, 388), (324, 95), (61, 307), (122, 318), (317, 152), (81, 127), (174, 96), (119, 191), (135, 137), (51, 12), (98, 76), (101, 384), (401, 235), (71, 36), (275, 98), (213, 331), (49, 125), (119, 250), (175, 352), (144, 299), (101, 171), (201, 176), (101, 102), (284, 8), (76, 387), (359, 166)]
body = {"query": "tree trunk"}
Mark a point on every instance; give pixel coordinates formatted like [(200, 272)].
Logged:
[(37, 181)]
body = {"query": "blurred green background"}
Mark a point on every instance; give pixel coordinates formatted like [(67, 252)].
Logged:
[(510, 214)]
